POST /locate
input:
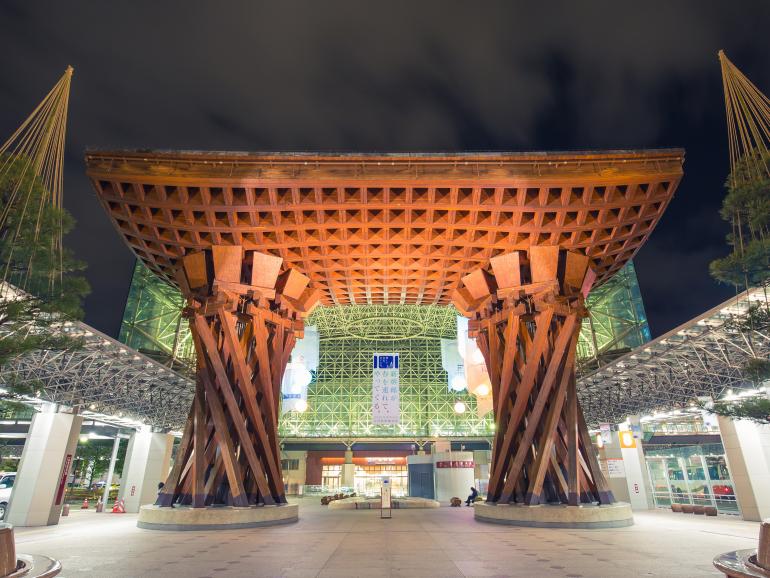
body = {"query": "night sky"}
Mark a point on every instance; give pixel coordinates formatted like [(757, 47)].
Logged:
[(394, 76)]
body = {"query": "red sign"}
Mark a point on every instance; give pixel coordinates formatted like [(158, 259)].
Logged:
[(63, 482), (455, 464)]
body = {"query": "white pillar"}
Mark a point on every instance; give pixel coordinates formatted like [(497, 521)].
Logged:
[(626, 470), (747, 449), (148, 458), (348, 471), (613, 466), (637, 478), (111, 470), (38, 493)]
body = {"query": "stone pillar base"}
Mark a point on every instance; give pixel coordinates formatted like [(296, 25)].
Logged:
[(182, 518), (616, 515)]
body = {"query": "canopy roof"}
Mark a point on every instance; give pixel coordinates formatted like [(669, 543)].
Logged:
[(385, 228)]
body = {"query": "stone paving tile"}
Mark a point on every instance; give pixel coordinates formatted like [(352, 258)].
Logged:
[(431, 543)]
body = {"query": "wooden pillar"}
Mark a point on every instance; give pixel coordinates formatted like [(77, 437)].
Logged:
[(525, 314), (245, 315)]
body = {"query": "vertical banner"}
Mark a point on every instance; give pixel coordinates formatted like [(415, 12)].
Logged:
[(606, 431), (297, 377), (452, 362), (386, 407)]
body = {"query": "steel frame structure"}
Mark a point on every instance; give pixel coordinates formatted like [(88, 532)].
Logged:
[(338, 396), (153, 324), (106, 379), (616, 322), (703, 357)]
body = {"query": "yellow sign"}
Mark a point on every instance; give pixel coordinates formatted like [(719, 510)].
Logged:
[(627, 440)]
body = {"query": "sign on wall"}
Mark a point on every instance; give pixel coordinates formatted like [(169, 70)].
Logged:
[(63, 481), (455, 464), (386, 406), (627, 440), (613, 467)]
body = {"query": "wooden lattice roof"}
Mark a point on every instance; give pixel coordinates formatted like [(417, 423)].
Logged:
[(385, 228)]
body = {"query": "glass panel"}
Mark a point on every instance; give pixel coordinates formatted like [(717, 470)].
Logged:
[(658, 476), (678, 485), (694, 466), (717, 468), (724, 496), (690, 482)]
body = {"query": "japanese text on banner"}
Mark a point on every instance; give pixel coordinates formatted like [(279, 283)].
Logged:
[(386, 406)]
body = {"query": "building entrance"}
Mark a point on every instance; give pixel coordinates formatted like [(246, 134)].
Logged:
[(368, 478)]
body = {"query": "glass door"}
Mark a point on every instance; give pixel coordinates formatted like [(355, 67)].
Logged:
[(661, 493), (330, 478)]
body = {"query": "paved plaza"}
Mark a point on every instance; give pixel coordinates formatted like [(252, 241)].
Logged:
[(443, 542)]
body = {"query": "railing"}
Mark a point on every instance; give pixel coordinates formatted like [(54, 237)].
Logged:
[(726, 504)]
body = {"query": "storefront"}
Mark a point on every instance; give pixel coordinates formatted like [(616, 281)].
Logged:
[(369, 472), (692, 475)]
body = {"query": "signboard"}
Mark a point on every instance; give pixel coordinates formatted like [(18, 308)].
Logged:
[(627, 440), (385, 498), (386, 408), (455, 464), (613, 467), (636, 429), (63, 481)]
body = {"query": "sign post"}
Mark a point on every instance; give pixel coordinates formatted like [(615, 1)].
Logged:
[(385, 499)]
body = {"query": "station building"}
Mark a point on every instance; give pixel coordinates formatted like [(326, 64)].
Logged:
[(329, 440)]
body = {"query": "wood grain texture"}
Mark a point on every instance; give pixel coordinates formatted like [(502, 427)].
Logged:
[(401, 228), (528, 335)]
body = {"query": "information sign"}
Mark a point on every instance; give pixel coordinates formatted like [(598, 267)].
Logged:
[(385, 499)]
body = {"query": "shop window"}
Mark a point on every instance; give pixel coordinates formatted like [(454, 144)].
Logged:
[(290, 464)]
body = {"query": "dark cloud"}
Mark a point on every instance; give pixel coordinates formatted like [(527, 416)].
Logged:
[(247, 75)]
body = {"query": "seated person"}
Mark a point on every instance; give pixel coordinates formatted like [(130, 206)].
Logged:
[(472, 497)]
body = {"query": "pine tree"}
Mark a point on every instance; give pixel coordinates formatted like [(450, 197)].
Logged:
[(42, 287)]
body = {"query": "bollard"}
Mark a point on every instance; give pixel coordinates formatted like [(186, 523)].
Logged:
[(99, 506), (7, 550), (763, 549), (748, 563), (65, 510)]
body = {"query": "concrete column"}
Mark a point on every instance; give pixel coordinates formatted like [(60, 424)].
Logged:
[(747, 449), (626, 469), (44, 469), (613, 466), (148, 459), (348, 476), (111, 471), (481, 460), (442, 446), (637, 478)]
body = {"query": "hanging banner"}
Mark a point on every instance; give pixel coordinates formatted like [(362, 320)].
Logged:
[(606, 432), (475, 367), (297, 376), (452, 362), (386, 406)]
